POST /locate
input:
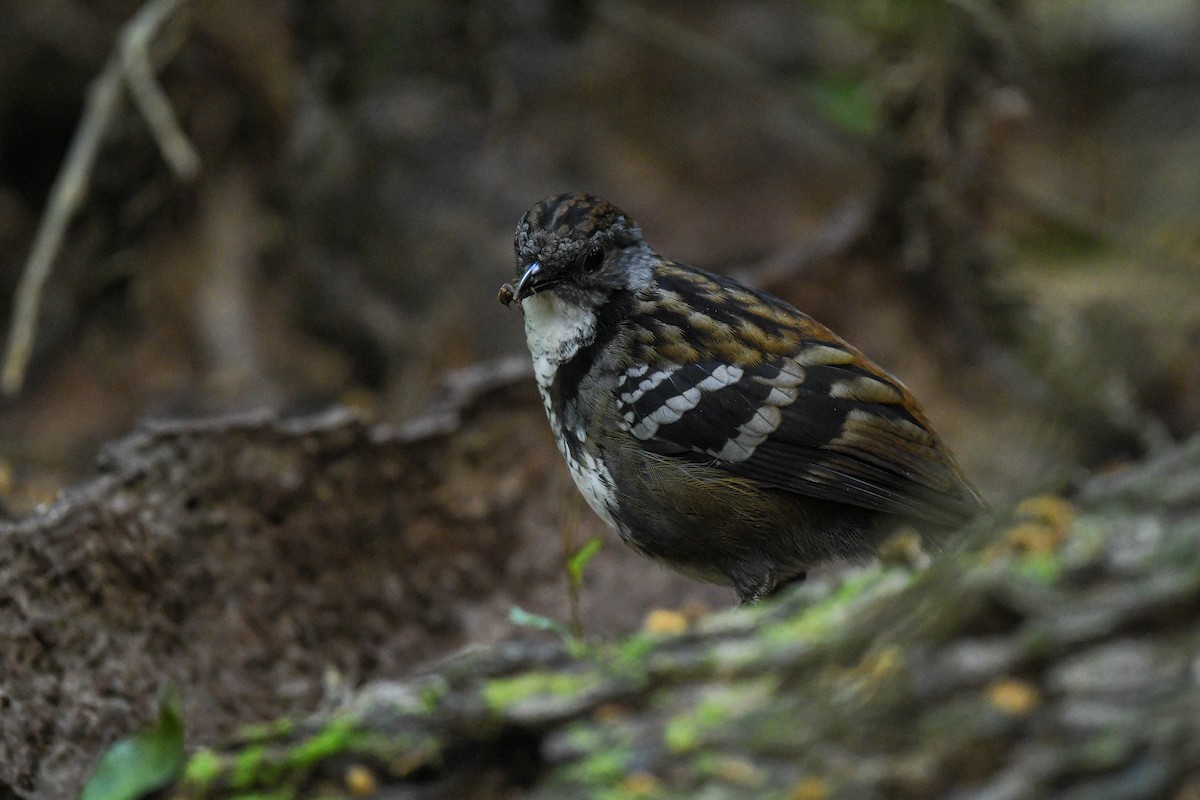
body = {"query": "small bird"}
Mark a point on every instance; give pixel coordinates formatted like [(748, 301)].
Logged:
[(715, 427)]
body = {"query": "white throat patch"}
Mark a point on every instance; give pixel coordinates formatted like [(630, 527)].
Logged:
[(555, 331)]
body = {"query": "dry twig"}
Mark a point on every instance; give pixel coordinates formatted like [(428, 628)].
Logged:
[(130, 65)]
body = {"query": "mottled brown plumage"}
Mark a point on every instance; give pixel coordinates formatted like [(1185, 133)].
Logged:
[(714, 426)]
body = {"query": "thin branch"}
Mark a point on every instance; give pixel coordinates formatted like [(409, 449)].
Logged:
[(148, 96), (131, 65), (68, 192)]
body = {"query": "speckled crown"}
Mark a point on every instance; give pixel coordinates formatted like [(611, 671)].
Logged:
[(558, 227)]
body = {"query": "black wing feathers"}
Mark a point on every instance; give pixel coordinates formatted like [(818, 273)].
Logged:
[(870, 454)]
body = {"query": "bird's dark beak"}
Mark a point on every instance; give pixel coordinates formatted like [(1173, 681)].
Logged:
[(535, 279)]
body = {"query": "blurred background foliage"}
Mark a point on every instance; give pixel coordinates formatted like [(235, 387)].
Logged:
[(996, 200)]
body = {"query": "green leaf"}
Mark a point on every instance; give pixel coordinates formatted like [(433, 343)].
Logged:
[(138, 764), (846, 101), (582, 556), (526, 619)]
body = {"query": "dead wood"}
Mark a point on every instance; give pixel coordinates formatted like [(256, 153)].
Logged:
[(260, 564)]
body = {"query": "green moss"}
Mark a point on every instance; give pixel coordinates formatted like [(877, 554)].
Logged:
[(716, 708), (706, 764), (711, 713), (685, 731), (623, 792), (605, 754), (735, 657), (826, 615), (584, 737), (1104, 752), (260, 765), (202, 768), (278, 794), (682, 733), (247, 766), (256, 766), (845, 100), (1088, 538), (1042, 568), (633, 651), (267, 731), (603, 766), (431, 694), (503, 694), (404, 753), (334, 738)]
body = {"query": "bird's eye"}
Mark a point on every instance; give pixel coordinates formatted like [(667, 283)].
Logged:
[(593, 259)]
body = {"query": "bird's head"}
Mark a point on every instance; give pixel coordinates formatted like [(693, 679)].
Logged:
[(581, 248)]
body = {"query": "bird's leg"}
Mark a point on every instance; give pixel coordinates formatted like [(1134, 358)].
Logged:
[(789, 581), (767, 586)]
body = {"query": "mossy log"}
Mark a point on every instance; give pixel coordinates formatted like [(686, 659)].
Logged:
[(1058, 658), (1053, 655)]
